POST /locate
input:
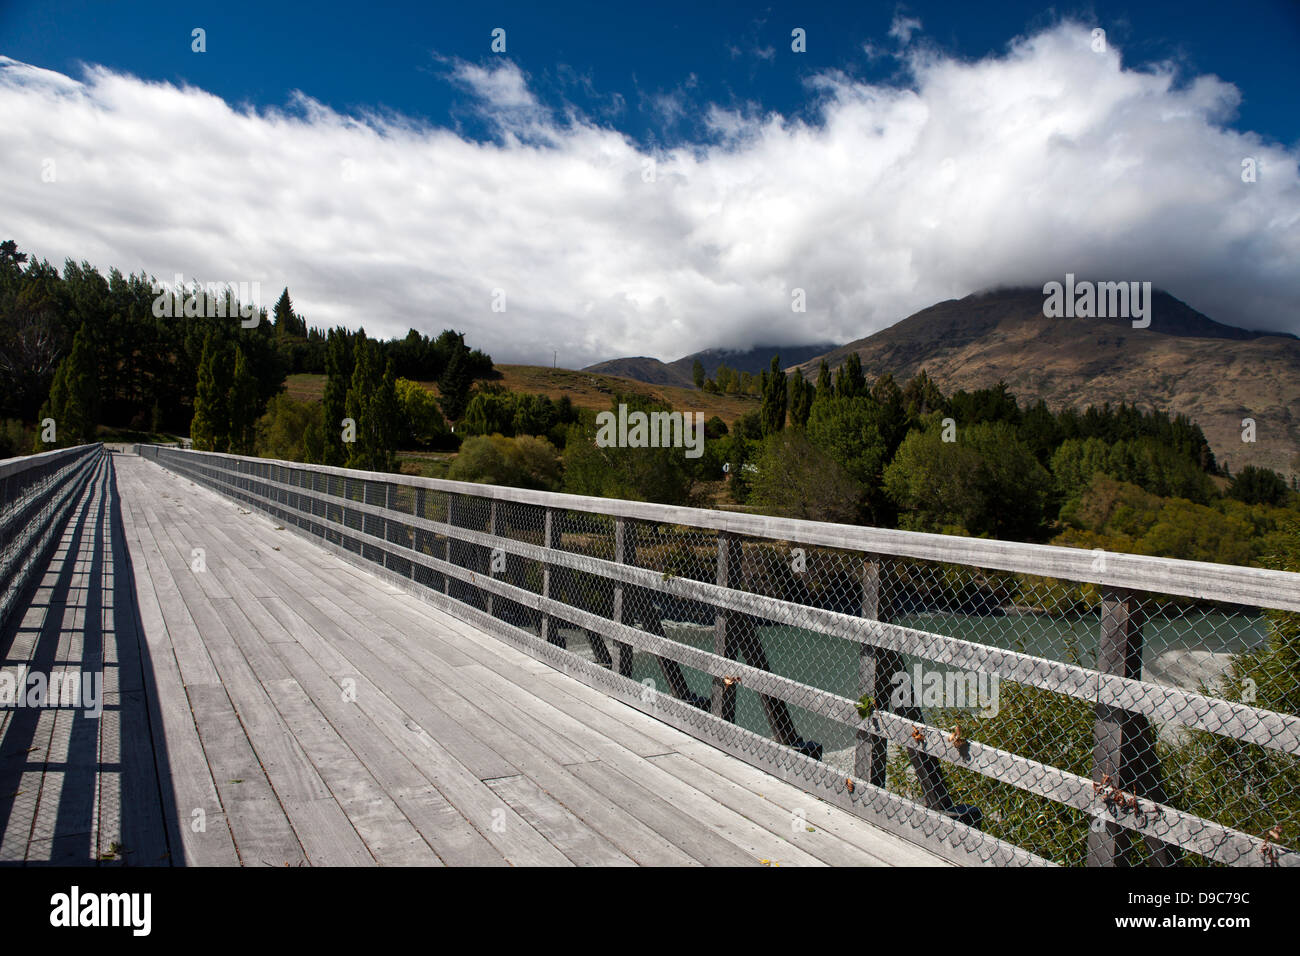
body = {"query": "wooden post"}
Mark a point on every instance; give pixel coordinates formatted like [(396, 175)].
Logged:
[(723, 702), (491, 529), (548, 542), (390, 502), (871, 750), (1123, 742), (622, 652), (419, 537), (446, 578), (878, 667)]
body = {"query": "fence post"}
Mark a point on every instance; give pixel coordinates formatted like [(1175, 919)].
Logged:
[(446, 578), (491, 529), (548, 542), (877, 667), (1123, 742), (729, 557), (622, 652), (419, 537), (871, 750), (390, 502)]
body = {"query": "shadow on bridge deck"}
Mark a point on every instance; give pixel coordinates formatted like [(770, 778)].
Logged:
[(79, 770)]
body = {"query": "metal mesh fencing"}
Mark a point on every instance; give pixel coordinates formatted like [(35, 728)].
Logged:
[(1014, 704), (36, 493)]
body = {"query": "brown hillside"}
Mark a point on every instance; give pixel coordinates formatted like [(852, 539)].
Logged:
[(1185, 362)]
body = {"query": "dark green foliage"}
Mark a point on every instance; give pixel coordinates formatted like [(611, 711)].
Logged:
[(849, 381), (73, 397), (801, 398), (373, 406), (291, 431), (639, 474), (797, 480), (773, 388), (210, 429), (340, 358), (1258, 486), (697, 373)]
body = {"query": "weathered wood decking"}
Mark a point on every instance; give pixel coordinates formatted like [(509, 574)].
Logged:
[(283, 707)]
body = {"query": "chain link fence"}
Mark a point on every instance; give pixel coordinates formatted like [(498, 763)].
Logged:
[(998, 702), (37, 493)]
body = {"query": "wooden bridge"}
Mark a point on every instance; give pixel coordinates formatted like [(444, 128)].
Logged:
[(303, 664), (267, 703)]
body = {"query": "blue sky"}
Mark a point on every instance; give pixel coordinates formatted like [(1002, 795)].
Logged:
[(617, 60), (653, 179)]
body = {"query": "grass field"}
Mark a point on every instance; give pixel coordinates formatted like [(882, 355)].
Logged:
[(585, 389)]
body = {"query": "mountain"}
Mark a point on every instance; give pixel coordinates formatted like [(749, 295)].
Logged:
[(655, 372), (1185, 362)]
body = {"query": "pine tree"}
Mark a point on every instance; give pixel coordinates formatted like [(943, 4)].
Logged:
[(697, 373), (287, 324), (455, 385)]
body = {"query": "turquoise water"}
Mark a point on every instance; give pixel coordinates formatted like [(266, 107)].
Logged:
[(1178, 651)]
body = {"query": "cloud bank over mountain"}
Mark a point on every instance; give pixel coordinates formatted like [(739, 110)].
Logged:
[(1012, 170)]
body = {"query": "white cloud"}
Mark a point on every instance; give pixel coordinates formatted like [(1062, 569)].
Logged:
[(902, 28), (1016, 169)]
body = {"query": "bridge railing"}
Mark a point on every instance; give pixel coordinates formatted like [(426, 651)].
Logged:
[(36, 494), (993, 701)]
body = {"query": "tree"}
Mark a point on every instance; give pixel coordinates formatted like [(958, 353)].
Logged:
[(523, 462), (801, 398), (210, 428), (423, 424), (987, 482), (340, 359), (697, 373), (824, 387), (774, 393), (797, 480), (72, 402), (286, 323), (454, 386), (638, 474), (921, 397), (243, 407), (1258, 486), (373, 405), (291, 430), (850, 382)]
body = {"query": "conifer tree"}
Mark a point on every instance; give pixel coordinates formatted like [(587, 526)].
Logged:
[(773, 386)]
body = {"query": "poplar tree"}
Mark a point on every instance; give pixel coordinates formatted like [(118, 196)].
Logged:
[(339, 361), (772, 410), (243, 407), (210, 428)]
